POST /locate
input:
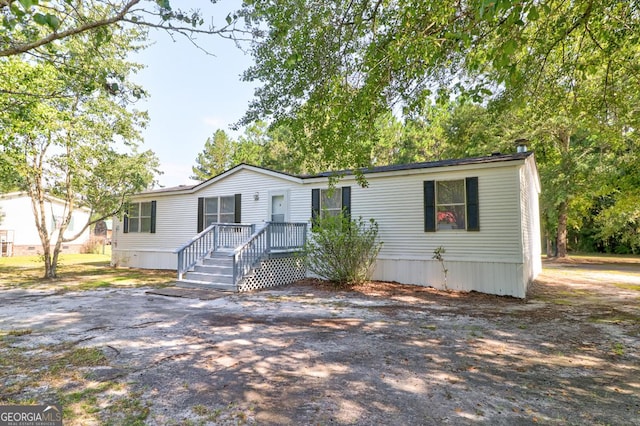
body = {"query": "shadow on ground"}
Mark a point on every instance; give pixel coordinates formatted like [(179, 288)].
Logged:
[(381, 354)]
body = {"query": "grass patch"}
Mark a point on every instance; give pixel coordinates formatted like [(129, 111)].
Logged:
[(628, 286), (16, 333), (128, 411), (604, 258), (618, 349), (615, 317), (57, 373), (77, 272)]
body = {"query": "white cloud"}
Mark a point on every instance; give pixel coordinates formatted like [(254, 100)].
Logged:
[(216, 122), (175, 174)]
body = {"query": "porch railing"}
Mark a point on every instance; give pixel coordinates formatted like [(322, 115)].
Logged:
[(213, 238), (275, 236)]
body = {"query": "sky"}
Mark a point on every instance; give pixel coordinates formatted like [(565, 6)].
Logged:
[(192, 94)]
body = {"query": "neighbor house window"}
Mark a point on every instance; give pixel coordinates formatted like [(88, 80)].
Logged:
[(212, 210), (140, 217), (451, 204), (56, 223)]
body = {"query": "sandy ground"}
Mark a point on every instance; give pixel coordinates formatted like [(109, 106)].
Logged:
[(381, 354)]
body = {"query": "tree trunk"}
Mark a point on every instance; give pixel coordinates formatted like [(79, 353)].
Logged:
[(549, 244), (561, 242), (49, 269), (53, 270)]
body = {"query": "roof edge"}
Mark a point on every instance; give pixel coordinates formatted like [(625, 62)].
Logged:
[(493, 158)]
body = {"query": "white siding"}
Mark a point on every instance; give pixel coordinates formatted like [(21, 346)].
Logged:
[(177, 218), (397, 204), (530, 216), (499, 259), (18, 217)]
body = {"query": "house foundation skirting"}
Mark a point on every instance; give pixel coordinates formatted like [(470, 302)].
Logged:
[(143, 258), (274, 272), (502, 278), (36, 249)]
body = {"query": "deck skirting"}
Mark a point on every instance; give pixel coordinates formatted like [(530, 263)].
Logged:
[(273, 272)]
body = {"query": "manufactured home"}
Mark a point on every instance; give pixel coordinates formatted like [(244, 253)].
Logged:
[(18, 232), (241, 229)]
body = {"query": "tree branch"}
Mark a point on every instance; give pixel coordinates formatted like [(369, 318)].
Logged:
[(35, 95), (22, 48)]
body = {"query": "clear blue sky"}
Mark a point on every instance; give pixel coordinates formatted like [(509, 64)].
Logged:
[(192, 94)]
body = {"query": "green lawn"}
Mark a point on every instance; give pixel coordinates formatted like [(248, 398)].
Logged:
[(77, 272)]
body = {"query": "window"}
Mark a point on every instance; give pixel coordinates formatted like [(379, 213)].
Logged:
[(330, 202), (451, 204), (56, 223), (140, 217), (218, 210), (324, 201)]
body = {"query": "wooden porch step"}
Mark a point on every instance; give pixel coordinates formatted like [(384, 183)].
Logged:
[(215, 269), (209, 277)]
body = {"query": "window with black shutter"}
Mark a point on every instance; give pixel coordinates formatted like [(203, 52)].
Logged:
[(451, 204)]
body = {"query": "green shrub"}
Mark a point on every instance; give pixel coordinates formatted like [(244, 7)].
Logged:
[(342, 250)]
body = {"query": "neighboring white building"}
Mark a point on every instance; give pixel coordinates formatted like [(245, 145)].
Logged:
[(18, 232), (483, 211)]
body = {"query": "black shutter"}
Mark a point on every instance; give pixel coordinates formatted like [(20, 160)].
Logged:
[(200, 214), (153, 217), (238, 208), (346, 202), (125, 219), (429, 206), (473, 211), (315, 206)]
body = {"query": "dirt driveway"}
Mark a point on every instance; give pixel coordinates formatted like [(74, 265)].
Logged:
[(382, 354)]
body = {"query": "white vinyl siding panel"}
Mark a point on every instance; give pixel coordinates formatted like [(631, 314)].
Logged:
[(247, 183), (497, 259), (177, 215), (530, 216), (397, 204), (487, 277), (19, 218)]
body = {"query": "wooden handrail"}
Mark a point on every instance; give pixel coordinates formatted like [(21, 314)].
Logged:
[(212, 238)]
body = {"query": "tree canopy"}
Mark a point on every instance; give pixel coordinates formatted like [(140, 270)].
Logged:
[(562, 74), (258, 145), (330, 69), (68, 130)]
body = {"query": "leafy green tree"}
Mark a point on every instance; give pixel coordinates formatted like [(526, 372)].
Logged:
[(331, 71), (215, 158), (251, 145), (618, 221), (259, 145), (70, 143)]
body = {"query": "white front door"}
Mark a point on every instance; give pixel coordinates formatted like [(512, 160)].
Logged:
[(278, 208)]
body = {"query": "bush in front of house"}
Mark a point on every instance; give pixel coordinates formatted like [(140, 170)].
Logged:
[(342, 250)]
